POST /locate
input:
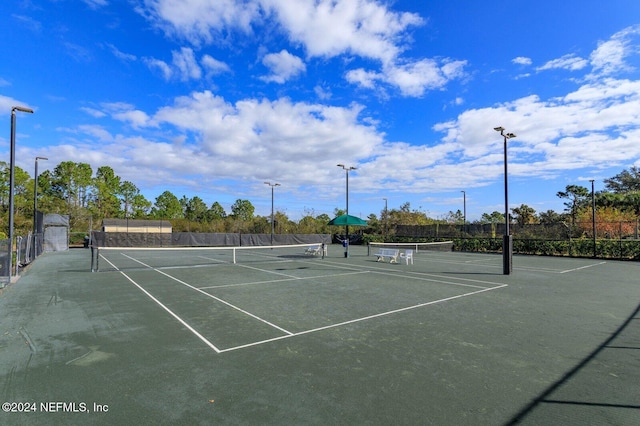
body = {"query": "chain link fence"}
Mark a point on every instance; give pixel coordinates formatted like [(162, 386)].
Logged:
[(611, 240)]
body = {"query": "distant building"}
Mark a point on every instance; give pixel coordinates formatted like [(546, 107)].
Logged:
[(138, 226)]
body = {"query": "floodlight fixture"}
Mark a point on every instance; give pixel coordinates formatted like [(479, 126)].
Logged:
[(22, 109)]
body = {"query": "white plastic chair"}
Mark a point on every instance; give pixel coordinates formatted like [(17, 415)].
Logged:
[(407, 256)]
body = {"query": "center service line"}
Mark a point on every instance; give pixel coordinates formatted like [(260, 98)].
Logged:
[(194, 331)]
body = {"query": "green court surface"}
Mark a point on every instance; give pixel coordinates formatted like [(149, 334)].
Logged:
[(299, 339)]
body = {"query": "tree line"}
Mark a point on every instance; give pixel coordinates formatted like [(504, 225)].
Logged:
[(73, 188)]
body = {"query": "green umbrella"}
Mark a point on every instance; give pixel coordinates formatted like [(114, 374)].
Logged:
[(347, 220)]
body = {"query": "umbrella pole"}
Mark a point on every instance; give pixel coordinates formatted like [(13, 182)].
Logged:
[(346, 242)]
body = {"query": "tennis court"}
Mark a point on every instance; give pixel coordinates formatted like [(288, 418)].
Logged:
[(285, 337)]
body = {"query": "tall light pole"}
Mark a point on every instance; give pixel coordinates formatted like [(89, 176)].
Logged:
[(35, 207), (272, 185), (347, 169), (593, 218), (464, 212), (507, 242), (11, 181)]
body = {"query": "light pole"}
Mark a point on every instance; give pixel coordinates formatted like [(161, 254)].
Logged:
[(346, 244), (464, 212), (11, 181), (593, 218), (507, 242), (35, 207), (272, 185)]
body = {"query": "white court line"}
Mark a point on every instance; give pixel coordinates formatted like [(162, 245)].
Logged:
[(395, 311), (211, 296), (486, 264), (583, 267), (183, 322), (405, 273), (283, 280), (270, 272), (173, 314), (427, 279)]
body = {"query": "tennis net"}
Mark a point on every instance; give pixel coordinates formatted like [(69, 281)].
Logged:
[(123, 258), (374, 248)]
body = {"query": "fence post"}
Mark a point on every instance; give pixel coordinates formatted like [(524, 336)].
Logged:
[(620, 240)]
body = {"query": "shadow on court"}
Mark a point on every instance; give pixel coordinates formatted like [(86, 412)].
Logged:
[(579, 393), (448, 340)]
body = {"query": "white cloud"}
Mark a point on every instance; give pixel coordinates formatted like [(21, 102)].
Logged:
[(184, 61), (610, 56), (322, 93), (95, 4), (259, 139), (184, 65), (125, 112), (412, 79), (200, 21), (214, 66), (97, 132), (522, 60), (590, 127), (93, 112), (363, 78), (568, 62), (329, 28), (163, 67), (119, 54), (283, 66)]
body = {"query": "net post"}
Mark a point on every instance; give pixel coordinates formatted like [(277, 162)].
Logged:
[(369, 249), (234, 255), (323, 248), (95, 255)]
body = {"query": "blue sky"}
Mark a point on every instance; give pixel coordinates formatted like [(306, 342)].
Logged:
[(214, 97)]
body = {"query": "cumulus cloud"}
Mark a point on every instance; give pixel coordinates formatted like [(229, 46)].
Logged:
[(555, 134), (200, 21), (248, 139), (283, 66), (360, 27), (413, 78)]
